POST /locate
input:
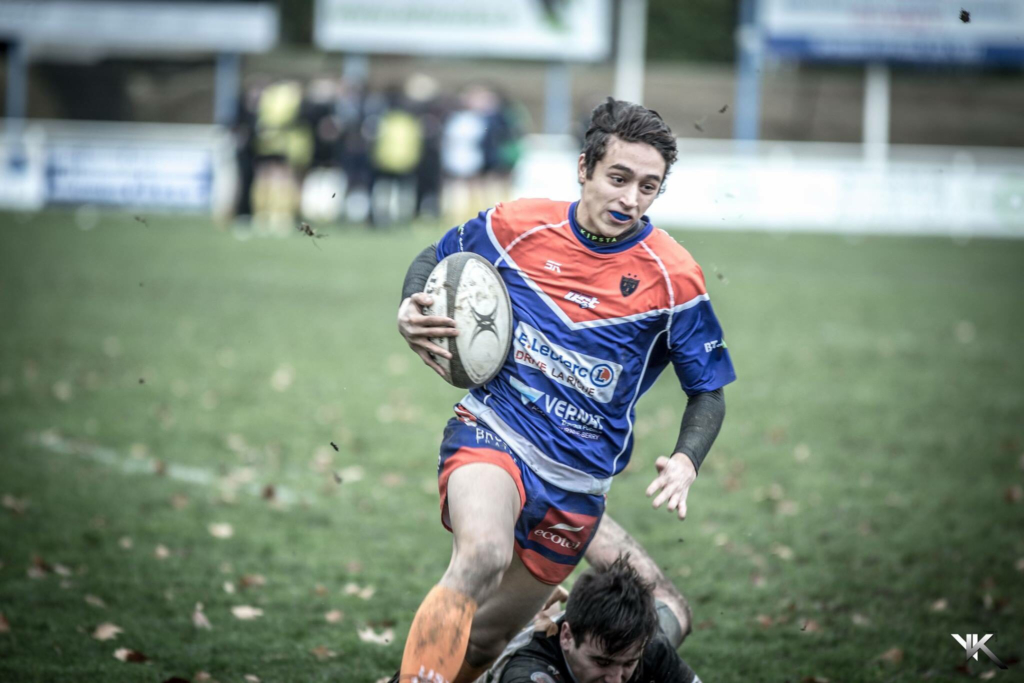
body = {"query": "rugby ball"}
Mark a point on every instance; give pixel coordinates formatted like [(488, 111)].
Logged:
[(467, 288)]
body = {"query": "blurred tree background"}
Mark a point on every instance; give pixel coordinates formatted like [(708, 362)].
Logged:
[(694, 30), (691, 31)]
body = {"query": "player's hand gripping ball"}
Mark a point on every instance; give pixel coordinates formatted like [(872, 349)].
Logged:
[(468, 289)]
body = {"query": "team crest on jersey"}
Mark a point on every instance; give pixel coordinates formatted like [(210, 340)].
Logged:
[(541, 677), (628, 284)]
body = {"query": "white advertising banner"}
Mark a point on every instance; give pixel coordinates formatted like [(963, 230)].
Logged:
[(574, 30), (141, 26), (901, 30)]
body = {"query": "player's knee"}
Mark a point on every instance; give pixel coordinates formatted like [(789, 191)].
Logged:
[(480, 568)]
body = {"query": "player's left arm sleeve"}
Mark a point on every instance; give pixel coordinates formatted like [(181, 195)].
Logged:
[(702, 421), (697, 348)]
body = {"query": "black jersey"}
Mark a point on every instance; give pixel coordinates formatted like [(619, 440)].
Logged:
[(541, 661)]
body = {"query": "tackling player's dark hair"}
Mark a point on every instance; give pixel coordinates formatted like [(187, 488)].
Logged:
[(613, 606), (630, 123)]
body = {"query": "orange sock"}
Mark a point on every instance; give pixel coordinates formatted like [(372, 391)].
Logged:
[(438, 637)]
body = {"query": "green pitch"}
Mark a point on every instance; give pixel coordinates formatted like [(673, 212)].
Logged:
[(160, 380)]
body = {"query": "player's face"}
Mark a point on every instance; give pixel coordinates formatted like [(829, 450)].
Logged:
[(591, 664), (622, 188)]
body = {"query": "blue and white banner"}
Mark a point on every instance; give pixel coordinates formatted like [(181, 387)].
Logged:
[(932, 31), (130, 176)]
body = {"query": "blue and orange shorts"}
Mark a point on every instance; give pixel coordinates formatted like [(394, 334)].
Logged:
[(554, 527)]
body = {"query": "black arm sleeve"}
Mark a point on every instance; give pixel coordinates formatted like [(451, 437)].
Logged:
[(701, 421), (419, 271), (662, 663)]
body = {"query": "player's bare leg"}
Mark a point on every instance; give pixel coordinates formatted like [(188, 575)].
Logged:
[(483, 505), (612, 540), (519, 597)]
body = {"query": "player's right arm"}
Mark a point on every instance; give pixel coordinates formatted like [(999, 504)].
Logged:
[(415, 327)]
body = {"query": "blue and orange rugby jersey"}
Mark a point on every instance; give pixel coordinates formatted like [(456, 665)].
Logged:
[(594, 324)]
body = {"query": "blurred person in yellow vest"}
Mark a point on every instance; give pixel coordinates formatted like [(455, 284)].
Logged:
[(284, 149)]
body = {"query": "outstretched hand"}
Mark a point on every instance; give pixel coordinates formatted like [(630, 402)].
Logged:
[(417, 329), (675, 476)]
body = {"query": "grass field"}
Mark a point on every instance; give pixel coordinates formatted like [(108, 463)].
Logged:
[(862, 503)]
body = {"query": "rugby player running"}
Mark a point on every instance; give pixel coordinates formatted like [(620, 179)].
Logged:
[(602, 302)]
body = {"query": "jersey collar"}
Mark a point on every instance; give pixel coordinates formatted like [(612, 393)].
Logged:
[(608, 247)]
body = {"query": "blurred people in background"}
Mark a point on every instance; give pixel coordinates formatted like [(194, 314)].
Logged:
[(337, 151)]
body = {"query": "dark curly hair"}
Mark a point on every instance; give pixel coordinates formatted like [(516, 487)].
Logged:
[(614, 606), (630, 123)]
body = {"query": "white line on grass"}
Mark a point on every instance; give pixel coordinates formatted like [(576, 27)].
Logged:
[(55, 443)]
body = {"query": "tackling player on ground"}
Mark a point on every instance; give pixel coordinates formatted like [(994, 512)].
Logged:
[(602, 302), (609, 632)]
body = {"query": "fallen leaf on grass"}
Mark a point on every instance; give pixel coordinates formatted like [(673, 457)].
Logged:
[(782, 552), (15, 505), (987, 675), (61, 570), (245, 612), (5, 626), (199, 619), (268, 492), (1020, 565), (252, 580), (125, 542), (161, 552), (765, 621), (392, 479), (106, 631), (251, 678), (201, 676), (940, 605), (282, 378), (221, 530), (320, 589), (349, 474), (368, 635), (354, 589), (334, 616), (229, 588), (860, 620), (126, 655), (810, 626), (1014, 494), (322, 653), (892, 656), (95, 601)]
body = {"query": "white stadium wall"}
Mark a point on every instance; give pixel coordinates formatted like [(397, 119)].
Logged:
[(716, 184), (788, 186)]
